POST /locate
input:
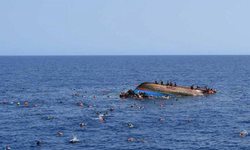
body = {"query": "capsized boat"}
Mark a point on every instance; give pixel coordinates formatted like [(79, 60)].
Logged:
[(164, 90)]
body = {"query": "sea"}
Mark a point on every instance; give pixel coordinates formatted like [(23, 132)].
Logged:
[(64, 91)]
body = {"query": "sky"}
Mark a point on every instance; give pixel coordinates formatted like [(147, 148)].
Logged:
[(124, 27)]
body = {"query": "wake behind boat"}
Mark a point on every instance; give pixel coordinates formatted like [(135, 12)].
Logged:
[(147, 89)]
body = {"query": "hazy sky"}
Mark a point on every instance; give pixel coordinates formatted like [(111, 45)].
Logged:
[(124, 27)]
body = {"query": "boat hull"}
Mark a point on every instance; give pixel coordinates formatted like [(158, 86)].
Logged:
[(163, 90)]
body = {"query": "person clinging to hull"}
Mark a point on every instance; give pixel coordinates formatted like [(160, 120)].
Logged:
[(156, 82)]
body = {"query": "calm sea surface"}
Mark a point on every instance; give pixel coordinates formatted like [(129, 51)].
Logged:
[(216, 120)]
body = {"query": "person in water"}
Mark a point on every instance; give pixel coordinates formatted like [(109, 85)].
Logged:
[(38, 143), (161, 82), (171, 84), (175, 84), (60, 133), (130, 124), (192, 87), (167, 83)]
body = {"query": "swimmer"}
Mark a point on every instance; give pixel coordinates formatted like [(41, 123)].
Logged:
[(18, 103), (189, 120), (160, 119), (38, 143), (102, 119), (140, 107), (130, 124), (8, 148), (144, 141), (106, 112), (74, 140), (243, 133), (60, 133), (131, 139), (82, 124)]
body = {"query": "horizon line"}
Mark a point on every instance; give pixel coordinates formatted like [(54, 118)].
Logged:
[(141, 55)]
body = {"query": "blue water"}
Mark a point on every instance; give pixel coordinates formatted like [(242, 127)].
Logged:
[(216, 120)]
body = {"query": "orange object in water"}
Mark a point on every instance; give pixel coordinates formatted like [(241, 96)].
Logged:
[(131, 139), (161, 105), (160, 119), (107, 91), (4, 102), (102, 119), (81, 124), (94, 96), (80, 104), (35, 105), (26, 103), (111, 109)]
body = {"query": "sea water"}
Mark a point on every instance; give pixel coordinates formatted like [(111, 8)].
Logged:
[(210, 122)]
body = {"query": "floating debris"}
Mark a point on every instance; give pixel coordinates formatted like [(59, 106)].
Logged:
[(48, 118)]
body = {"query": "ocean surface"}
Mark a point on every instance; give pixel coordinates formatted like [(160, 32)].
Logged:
[(50, 82)]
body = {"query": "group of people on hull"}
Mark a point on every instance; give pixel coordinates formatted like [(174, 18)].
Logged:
[(168, 83), (206, 89)]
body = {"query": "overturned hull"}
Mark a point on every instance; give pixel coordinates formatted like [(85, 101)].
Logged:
[(164, 90)]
